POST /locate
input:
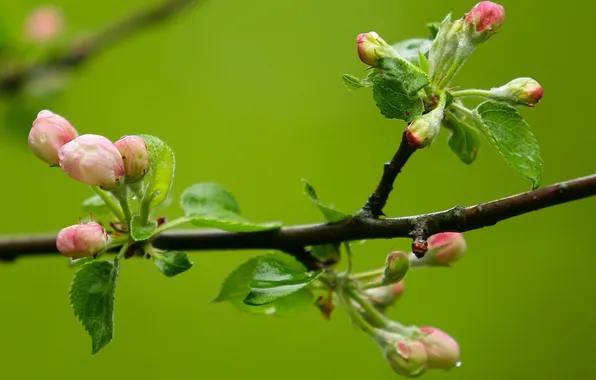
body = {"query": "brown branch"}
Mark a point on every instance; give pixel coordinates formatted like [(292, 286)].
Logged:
[(80, 51), (377, 201), (357, 228)]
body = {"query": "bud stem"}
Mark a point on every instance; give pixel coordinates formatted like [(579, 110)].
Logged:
[(109, 201), (122, 195), (472, 92), (354, 315), (455, 66), (368, 275), (375, 316)]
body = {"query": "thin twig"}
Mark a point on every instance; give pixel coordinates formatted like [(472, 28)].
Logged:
[(377, 201), (459, 219), (80, 51)]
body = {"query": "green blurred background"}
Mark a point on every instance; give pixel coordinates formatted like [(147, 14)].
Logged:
[(248, 94)]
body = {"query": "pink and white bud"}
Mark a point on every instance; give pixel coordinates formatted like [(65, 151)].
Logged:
[(371, 48), (407, 357), (520, 91), (396, 268), (447, 247), (48, 134), (82, 240), (423, 131), (441, 349), (94, 160), (135, 155), (44, 25), (486, 16), (385, 296)]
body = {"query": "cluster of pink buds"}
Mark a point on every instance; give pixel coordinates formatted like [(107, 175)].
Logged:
[(93, 160), (44, 25)]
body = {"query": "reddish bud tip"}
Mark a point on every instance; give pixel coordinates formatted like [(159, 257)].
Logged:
[(371, 48), (486, 15), (447, 247), (135, 155), (44, 25)]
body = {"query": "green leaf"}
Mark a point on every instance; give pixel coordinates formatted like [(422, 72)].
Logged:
[(411, 78), (236, 287), (509, 133), (423, 62), (434, 28), (92, 300), (329, 212), (412, 49), (211, 205), (140, 231), (277, 276), (96, 206), (173, 263), (352, 83), (160, 177), (394, 101), (464, 140), (325, 252)]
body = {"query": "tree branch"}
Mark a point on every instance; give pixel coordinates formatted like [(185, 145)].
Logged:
[(80, 51), (458, 219), (377, 201)]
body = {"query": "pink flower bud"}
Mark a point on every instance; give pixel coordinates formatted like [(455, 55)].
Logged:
[(447, 247), (82, 240), (48, 134), (486, 15), (44, 24), (423, 131), (407, 357), (371, 48), (135, 155), (92, 159), (396, 268), (385, 296), (524, 91), (441, 349)]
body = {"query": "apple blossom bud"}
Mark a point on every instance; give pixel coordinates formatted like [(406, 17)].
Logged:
[(135, 155), (94, 160), (441, 349), (385, 296), (406, 357), (396, 268), (447, 247), (371, 48), (48, 134), (486, 15), (520, 91), (82, 240), (44, 25), (423, 131)]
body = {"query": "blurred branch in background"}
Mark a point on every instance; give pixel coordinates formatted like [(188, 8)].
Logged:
[(15, 75), (290, 239)]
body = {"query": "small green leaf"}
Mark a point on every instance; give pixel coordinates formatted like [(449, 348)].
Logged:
[(211, 205), (173, 263), (92, 300), (325, 252), (140, 231), (96, 206), (160, 177), (236, 287), (509, 133), (434, 28), (393, 102), (423, 62), (351, 82), (412, 49), (329, 212), (277, 276), (464, 140), (411, 78)]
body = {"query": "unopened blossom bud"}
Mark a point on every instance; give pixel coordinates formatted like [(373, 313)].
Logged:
[(484, 20), (371, 48), (94, 160), (447, 247), (44, 24), (385, 296), (396, 268), (135, 155), (82, 240), (423, 131), (441, 349), (520, 91), (48, 134), (406, 357)]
